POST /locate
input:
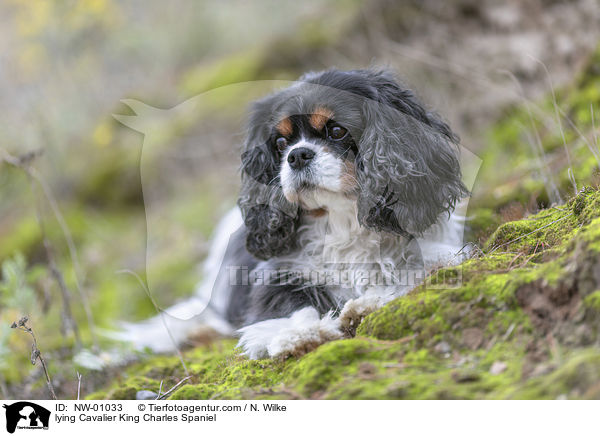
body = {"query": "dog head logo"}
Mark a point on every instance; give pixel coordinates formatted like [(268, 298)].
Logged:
[(26, 415)]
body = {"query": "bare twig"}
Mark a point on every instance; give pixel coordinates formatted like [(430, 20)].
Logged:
[(36, 354), (170, 391)]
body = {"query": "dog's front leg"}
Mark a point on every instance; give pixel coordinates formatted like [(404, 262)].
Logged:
[(295, 335)]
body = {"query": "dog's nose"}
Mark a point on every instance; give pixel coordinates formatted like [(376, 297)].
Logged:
[(300, 157)]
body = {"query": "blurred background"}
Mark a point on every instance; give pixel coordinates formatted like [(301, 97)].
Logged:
[(517, 80)]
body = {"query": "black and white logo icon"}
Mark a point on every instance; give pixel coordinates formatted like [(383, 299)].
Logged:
[(26, 415)]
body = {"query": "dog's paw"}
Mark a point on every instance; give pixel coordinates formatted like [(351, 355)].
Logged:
[(284, 337), (255, 338), (354, 311), (306, 332)]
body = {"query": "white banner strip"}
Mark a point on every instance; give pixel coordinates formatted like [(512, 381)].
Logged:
[(300, 417)]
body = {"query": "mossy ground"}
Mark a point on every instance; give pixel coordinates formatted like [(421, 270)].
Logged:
[(520, 319), (483, 337)]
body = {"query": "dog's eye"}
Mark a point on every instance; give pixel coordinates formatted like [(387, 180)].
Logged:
[(281, 143), (336, 132)]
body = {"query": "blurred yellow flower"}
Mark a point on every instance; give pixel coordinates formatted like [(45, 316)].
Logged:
[(91, 12), (95, 6), (103, 134), (32, 16)]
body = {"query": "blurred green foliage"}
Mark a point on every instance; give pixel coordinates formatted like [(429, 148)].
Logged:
[(68, 65)]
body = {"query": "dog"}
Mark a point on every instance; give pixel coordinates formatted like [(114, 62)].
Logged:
[(348, 197)]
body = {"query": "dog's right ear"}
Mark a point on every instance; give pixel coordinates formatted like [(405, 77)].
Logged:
[(258, 160), (270, 220), (260, 164)]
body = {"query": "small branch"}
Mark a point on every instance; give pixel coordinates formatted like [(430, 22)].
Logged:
[(170, 391), (36, 354)]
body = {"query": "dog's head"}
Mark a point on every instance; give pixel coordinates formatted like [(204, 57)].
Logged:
[(355, 135)]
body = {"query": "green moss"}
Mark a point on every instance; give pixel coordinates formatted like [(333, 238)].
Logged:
[(423, 375), (576, 376), (24, 237), (550, 228), (547, 227), (356, 368), (484, 302), (592, 301), (330, 362), (194, 392), (126, 389)]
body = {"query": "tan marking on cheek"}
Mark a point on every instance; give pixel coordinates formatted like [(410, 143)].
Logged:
[(291, 196), (348, 178), (285, 127), (319, 117)]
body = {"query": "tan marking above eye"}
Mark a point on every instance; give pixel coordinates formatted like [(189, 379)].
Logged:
[(319, 117), (285, 127)]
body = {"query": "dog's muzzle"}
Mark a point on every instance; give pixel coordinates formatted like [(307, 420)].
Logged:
[(300, 158)]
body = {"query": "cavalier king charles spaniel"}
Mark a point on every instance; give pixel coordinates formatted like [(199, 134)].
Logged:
[(348, 195)]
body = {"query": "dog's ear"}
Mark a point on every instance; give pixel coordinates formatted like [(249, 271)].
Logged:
[(270, 220), (407, 166), (260, 164), (270, 231)]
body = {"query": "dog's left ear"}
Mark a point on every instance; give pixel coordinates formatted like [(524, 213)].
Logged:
[(407, 166)]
